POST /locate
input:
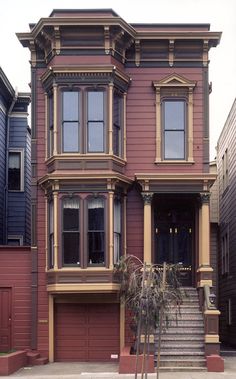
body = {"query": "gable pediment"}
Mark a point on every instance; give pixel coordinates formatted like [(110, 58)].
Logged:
[(174, 80)]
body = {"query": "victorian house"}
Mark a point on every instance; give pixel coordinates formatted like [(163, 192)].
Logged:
[(120, 165)]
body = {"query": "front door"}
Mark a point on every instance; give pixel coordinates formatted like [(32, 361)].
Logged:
[(173, 242), (5, 319)]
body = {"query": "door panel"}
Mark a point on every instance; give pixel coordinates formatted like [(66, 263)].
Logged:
[(5, 319)]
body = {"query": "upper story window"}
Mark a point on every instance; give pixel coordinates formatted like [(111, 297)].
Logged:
[(70, 121), (117, 123), (15, 170), (174, 119), (83, 122), (86, 121), (174, 125)]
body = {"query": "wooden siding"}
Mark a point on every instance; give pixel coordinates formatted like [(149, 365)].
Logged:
[(15, 273), (227, 220), (2, 171), (135, 224), (141, 120), (19, 202)]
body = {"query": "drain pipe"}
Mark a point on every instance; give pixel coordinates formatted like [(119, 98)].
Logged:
[(7, 161)]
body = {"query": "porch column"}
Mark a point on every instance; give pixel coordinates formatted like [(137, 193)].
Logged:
[(204, 270), (147, 227)]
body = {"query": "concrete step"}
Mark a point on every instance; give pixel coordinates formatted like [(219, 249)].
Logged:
[(182, 369), (41, 361), (182, 354), (178, 338), (31, 357), (183, 346), (195, 362)]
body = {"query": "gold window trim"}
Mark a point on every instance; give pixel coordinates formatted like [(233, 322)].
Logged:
[(175, 82)]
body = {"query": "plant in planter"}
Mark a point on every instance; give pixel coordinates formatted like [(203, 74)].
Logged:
[(148, 292)]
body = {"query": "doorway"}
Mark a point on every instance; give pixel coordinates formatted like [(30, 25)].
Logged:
[(5, 319), (173, 230)]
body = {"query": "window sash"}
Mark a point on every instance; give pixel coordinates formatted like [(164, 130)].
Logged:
[(95, 122), (15, 171), (96, 232), (174, 129), (71, 231), (70, 122)]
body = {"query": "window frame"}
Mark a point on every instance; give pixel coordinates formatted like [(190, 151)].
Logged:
[(21, 154), (17, 237), (62, 231), (169, 130), (174, 87), (78, 121), (86, 233)]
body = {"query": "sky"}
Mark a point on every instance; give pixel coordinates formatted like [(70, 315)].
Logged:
[(16, 15)]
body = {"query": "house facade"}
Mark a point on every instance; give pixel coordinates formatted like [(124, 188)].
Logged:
[(120, 165), (227, 227), (15, 218)]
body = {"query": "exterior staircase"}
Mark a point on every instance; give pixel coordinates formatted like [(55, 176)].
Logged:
[(182, 343)]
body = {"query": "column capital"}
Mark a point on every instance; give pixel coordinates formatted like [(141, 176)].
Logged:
[(147, 197), (204, 197)]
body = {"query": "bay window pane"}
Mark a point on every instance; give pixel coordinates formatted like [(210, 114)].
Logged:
[(95, 106), (70, 106), (96, 235), (70, 137), (71, 232), (95, 137), (71, 248)]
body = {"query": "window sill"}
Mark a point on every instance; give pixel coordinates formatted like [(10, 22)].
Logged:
[(175, 162)]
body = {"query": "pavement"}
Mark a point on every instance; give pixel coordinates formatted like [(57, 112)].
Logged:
[(110, 371)]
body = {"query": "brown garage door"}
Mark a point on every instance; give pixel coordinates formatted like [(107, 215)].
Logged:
[(86, 332)]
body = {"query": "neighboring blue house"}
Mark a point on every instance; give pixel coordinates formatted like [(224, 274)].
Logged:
[(15, 167)]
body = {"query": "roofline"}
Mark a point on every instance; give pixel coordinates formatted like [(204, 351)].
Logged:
[(86, 10), (167, 25), (6, 83)]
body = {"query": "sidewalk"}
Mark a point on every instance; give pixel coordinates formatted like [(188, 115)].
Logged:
[(109, 371)]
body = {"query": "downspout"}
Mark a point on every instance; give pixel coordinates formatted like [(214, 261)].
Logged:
[(6, 170)]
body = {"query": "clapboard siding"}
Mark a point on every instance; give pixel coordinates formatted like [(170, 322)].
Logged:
[(19, 202), (227, 221), (15, 273), (141, 121), (2, 169)]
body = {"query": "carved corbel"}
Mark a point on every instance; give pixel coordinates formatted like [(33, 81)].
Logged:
[(57, 39), (137, 52), (171, 52), (205, 52), (107, 39)]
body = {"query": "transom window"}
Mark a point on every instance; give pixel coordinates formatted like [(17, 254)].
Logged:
[(173, 117)]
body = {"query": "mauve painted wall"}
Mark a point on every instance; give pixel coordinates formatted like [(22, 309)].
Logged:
[(15, 273)]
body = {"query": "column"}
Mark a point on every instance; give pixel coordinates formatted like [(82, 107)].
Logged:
[(55, 126), (110, 126), (147, 227), (204, 270), (111, 229), (55, 231)]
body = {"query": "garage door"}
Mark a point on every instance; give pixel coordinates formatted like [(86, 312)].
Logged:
[(86, 332)]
